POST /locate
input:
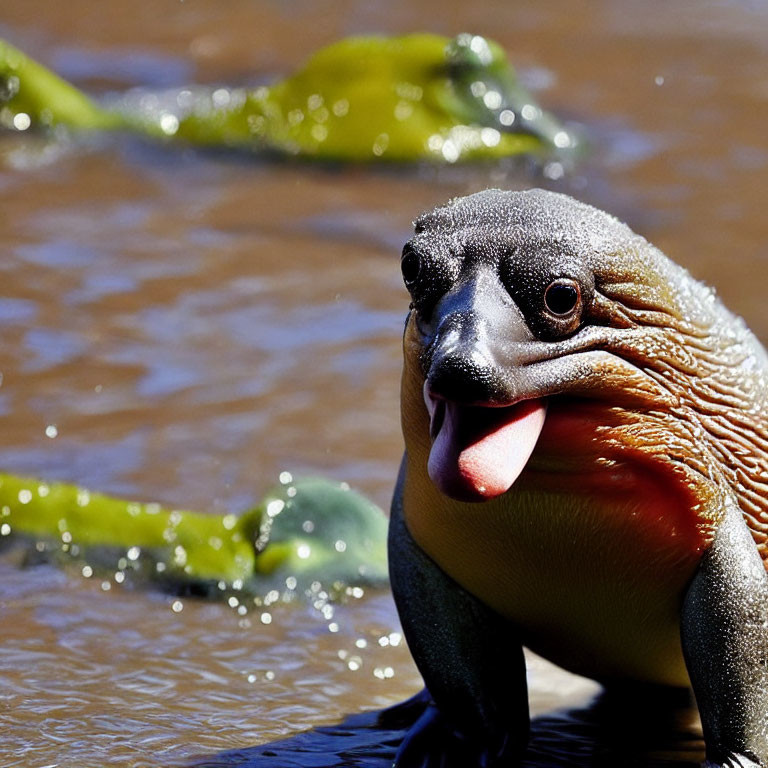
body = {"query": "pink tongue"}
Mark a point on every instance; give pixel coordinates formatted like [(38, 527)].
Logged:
[(479, 452)]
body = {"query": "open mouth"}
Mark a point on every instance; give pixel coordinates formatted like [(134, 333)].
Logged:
[(479, 451)]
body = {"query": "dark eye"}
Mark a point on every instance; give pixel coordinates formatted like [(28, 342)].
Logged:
[(562, 297), (410, 264)]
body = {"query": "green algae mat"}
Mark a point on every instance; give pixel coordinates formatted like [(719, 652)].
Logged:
[(362, 99)]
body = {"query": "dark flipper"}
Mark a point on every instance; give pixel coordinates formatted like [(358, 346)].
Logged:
[(471, 660), (724, 626)]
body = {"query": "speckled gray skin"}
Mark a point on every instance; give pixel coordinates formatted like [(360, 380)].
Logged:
[(686, 385)]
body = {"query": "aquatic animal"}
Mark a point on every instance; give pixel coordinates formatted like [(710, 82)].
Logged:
[(361, 99), (585, 474)]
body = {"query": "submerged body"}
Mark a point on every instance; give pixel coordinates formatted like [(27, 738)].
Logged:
[(361, 99), (200, 551), (585, 467)]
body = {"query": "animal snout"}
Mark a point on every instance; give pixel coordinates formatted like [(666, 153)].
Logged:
[(469, 378)]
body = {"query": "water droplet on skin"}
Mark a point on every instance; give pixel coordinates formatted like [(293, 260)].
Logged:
[(221, 97), (380, 144), (341, 108), (21, 121), (169, 124), (479, 46), (271, 597), (266, 618), (321, 115), (229, 522), (51, 431), (490, 137), (435, 143), (403, 110), (478, 89), (257, 125), (180, 556), (177, 606), (450, 151), (492, 100), (133, 553)]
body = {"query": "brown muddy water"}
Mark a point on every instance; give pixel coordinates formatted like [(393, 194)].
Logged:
[(193, 324)]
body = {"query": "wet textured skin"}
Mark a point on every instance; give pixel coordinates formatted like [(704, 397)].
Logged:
[(632, 545)]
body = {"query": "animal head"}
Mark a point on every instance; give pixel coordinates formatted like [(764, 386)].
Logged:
[(521, 297)]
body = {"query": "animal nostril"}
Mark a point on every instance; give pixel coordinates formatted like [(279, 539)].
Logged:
[(464, 379)]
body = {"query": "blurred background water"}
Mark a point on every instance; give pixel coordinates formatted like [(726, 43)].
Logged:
[(193, 323)]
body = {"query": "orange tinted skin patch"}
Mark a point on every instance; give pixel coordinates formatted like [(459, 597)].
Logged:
[(665, 497)]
